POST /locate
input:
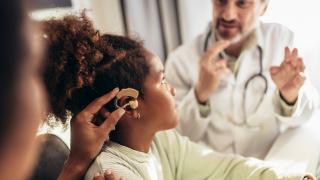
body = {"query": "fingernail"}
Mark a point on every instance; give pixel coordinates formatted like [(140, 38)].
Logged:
[(116, 89), (97, 174), (226, 42), (108, 172), (121, 111)]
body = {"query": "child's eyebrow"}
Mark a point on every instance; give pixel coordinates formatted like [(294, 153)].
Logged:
[(160, 73)]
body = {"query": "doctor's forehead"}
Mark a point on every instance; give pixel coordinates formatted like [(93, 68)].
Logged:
[(266, 1)]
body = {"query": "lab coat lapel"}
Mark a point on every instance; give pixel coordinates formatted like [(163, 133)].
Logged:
[(250, 65)]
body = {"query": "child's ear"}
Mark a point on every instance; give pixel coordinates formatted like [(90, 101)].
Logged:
[(128, 103), (131, 107), (122, 101), (132, 114)]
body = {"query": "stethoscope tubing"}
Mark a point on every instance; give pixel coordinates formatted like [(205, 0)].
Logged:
[(259, 74)]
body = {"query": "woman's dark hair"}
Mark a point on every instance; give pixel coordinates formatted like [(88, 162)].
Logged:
[(81, 65), (13, 59)]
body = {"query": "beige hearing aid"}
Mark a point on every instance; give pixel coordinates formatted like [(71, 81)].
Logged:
[(129, 92)]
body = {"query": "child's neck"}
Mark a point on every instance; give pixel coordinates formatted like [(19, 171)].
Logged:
[(137, 139)]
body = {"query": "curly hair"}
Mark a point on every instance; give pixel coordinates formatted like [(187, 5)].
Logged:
[(81, 65)]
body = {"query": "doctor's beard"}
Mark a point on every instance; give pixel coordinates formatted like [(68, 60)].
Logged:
[(239, 36)]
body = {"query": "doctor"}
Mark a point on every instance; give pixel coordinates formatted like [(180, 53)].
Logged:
[(238, 84)]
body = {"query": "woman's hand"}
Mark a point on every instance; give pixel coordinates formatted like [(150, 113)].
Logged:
[(87, 138), (107, 175)]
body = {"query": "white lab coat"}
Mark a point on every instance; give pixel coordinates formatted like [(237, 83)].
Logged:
[(226, 102)]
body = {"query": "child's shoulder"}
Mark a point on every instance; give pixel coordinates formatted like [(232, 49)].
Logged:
[(111, 158), (170, 140)]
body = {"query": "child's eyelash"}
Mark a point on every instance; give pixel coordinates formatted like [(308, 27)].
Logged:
[(163, 80)]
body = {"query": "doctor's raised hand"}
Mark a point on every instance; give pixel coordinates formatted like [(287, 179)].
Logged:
[(289, 76), (210, 71)]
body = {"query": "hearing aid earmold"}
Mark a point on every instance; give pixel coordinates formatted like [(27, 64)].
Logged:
[(128, 92)]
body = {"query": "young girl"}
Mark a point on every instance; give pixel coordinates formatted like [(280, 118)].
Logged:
[(143, 144)]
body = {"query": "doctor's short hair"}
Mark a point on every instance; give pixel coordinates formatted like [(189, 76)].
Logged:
[(82, 65)]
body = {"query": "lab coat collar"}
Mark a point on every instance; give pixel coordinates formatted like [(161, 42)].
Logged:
[(259, 37)]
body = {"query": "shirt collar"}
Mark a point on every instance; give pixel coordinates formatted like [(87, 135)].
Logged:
[(259, 37)]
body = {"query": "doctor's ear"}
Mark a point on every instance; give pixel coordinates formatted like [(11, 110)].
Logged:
[(263, 7)]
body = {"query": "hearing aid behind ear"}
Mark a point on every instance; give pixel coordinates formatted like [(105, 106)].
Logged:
[(128, 92), (113, 105)]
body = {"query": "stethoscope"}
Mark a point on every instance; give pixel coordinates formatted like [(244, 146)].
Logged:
[(258, 75)]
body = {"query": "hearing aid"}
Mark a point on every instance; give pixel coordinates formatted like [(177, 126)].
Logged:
[(113, 105), (131, 93)]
